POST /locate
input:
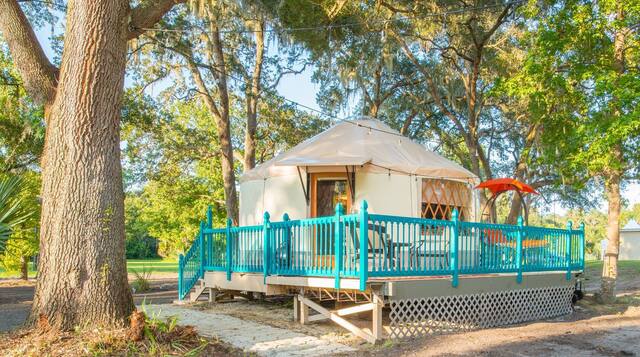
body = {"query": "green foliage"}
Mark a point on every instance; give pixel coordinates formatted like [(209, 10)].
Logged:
[(18, 211), (171, 164), (21, 123), (141, 247), (587, 101), (21, 141)]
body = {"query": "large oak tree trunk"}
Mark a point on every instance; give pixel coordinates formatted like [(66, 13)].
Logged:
[(83, 278)]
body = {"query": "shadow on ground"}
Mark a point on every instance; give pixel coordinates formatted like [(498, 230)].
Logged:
[(16, 298)]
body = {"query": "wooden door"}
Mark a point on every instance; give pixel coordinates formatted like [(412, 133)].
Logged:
[(327, 190)]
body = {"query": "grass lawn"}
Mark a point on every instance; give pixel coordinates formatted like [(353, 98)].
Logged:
[(593, 268), (628, 275), (10, 274), (153, 265)]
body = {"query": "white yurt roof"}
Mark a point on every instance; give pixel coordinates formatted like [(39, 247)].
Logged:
[(364, 141)]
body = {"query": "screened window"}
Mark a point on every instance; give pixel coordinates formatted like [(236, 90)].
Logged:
[(440, 197)]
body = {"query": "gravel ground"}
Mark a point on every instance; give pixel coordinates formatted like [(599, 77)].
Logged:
[(15, 303), (593, 330), (16, 298)]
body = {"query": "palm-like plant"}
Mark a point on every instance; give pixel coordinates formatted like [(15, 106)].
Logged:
[(13, 210)]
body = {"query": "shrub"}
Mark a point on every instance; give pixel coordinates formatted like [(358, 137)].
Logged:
[(141, 282)]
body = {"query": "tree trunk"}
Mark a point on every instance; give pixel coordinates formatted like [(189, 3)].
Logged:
[(612, 184), (610, 265), (24, 268), (515, 209), (222, 119), (82, 278), (252, 101)]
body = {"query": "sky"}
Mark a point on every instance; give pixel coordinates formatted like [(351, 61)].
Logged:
[(301, 89)]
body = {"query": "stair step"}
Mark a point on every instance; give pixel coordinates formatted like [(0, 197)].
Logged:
[(197, 292)]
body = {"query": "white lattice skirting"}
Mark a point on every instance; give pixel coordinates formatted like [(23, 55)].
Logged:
[(443, 314)]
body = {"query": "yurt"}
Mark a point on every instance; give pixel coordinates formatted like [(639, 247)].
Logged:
[(357, 160)]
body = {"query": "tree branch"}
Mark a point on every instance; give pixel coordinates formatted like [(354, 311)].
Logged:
[(39, 76), (148, 14)]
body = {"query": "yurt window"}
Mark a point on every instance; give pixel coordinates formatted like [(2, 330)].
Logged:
[(440, 197)]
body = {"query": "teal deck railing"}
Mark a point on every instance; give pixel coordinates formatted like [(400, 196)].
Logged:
[(367, 245)]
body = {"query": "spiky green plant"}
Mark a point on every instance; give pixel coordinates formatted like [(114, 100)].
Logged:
[(13, 210)]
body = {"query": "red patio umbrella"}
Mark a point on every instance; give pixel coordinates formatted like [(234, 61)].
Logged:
[(501, 185)]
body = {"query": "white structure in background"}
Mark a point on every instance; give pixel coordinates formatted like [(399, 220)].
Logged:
[(353, 161), (630, 241)]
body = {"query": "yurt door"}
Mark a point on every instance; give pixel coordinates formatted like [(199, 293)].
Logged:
[(327, 190)]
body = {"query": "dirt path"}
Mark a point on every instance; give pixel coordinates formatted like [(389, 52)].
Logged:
[(608, 335), (250, 336), (593, 330), (15, 303), (16, 298)]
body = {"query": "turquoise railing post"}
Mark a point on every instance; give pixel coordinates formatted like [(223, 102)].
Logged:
[(287, 241), (202, 247), (209, 217), (364, 249), (229, 242), (582, 245), (568, 252), (208, 238), (338, 245), (453, 247), (266, 226), (180, 275), (519, 248)]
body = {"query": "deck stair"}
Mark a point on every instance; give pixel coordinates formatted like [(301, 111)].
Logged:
[(197, 291)]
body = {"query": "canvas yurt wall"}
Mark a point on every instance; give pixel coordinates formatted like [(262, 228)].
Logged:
[(395, 175), (276, 195), (391, 193)]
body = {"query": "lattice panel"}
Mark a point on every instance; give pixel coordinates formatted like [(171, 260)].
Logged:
[(440, 197), (444, 314)]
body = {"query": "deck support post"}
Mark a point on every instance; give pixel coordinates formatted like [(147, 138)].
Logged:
[(568, 252), (265, 246), (376, 328), (519, 249), (304, 311), (229, 249), (364, 249), (339, 238), (296, 308), (453, 247), (326, 314)]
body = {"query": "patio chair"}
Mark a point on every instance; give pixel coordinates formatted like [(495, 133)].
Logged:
[(282, 252), (376, 232), (421, 249)]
